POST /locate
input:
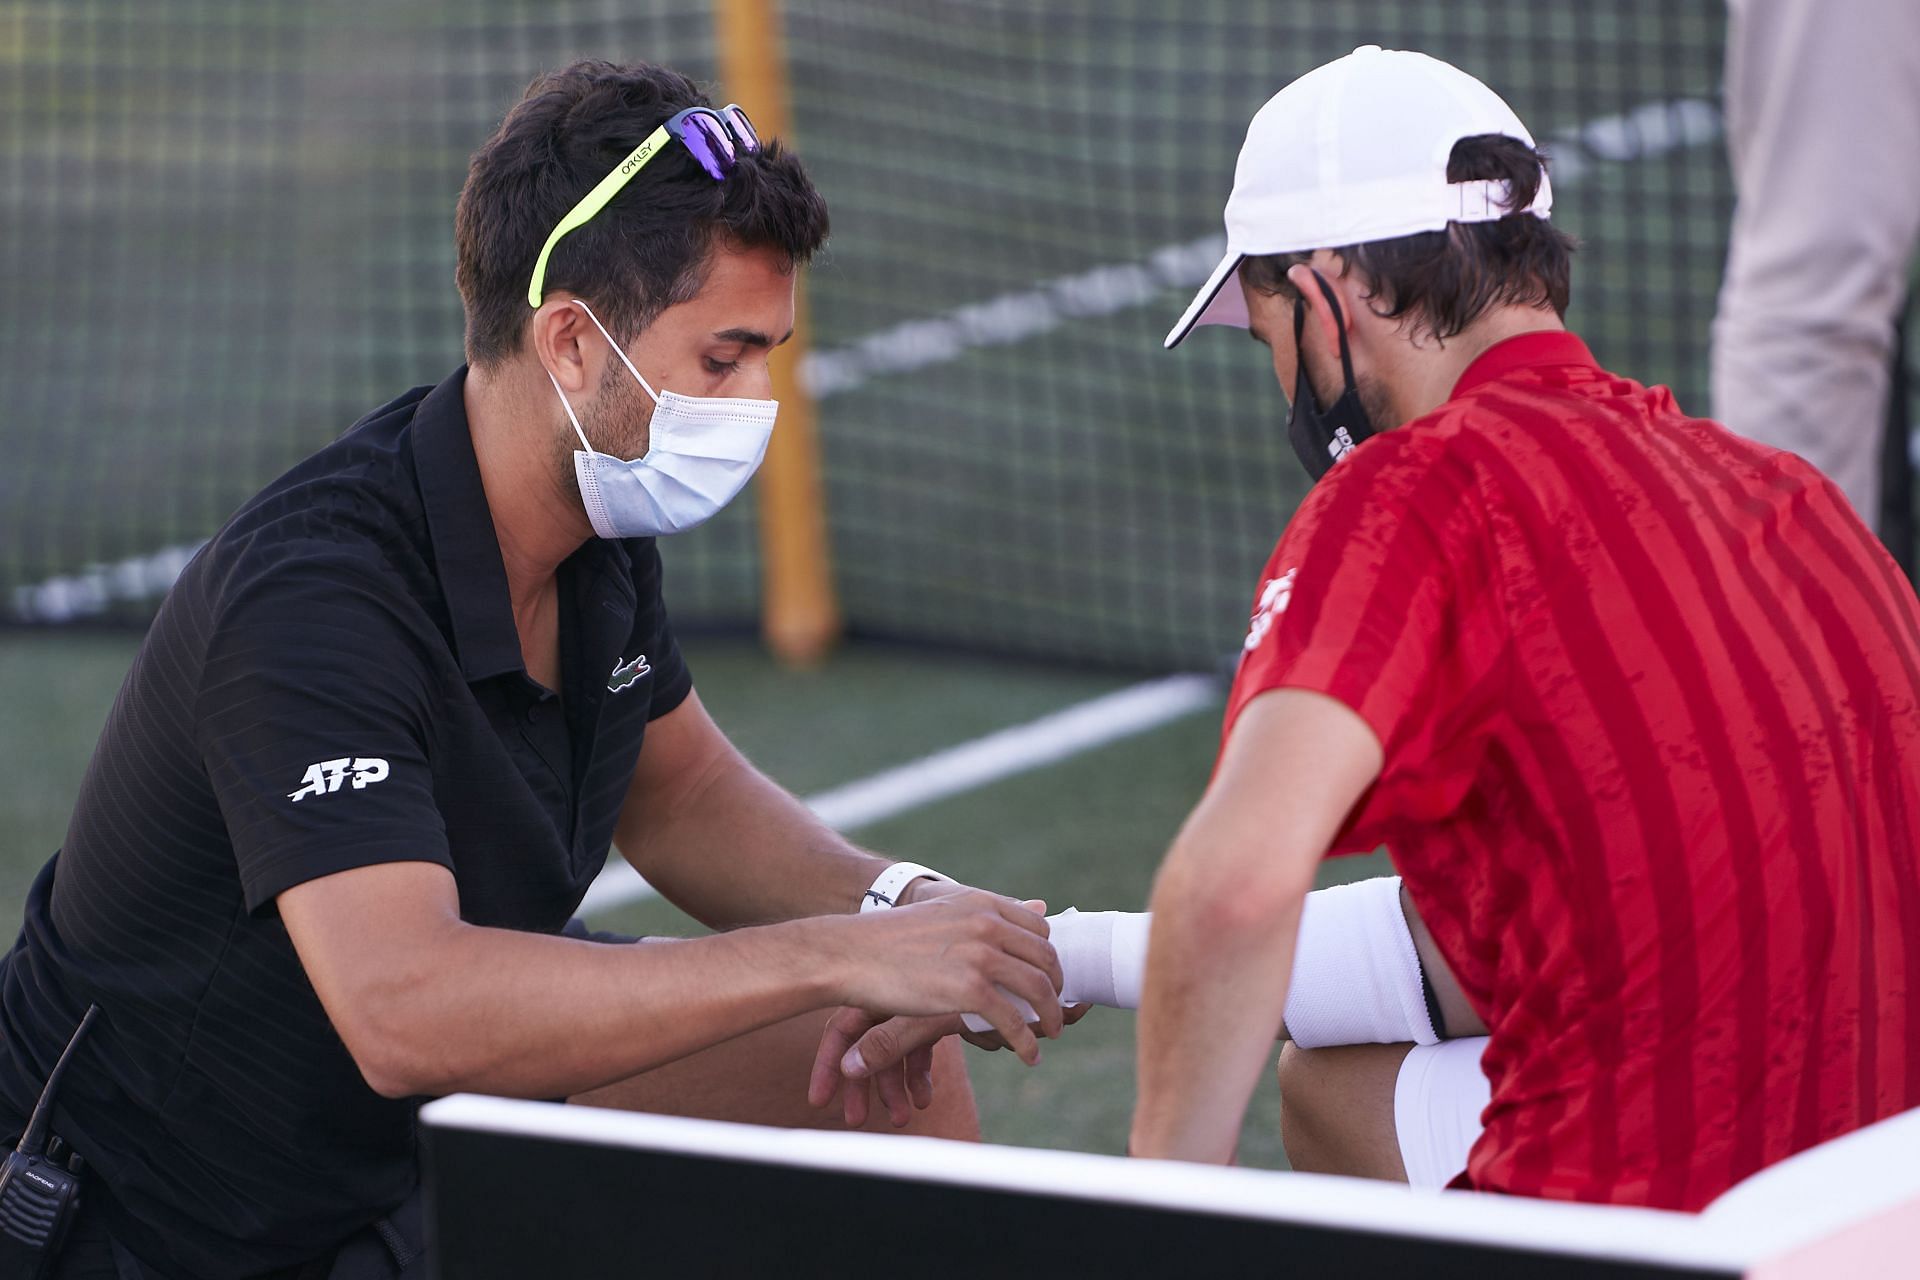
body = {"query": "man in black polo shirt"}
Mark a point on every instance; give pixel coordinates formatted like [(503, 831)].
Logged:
[(383, 731)]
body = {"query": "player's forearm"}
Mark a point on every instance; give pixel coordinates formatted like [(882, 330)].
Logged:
[(1218, 962), (528, 1015), (741, 850)]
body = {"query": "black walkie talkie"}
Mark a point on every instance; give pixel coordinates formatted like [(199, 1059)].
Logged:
[(39, 1190)]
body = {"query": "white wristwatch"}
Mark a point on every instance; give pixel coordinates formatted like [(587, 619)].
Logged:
[(887, 886)]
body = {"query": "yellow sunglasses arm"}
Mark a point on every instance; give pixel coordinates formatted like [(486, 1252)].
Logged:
[(593, 202)]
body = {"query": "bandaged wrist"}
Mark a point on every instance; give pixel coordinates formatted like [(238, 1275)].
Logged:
[(1103, 956), (1356, 975)]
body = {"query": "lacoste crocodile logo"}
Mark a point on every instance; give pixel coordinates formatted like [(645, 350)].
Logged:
[(626, 673)]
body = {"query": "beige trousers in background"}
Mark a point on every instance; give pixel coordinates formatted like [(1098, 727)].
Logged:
[(1823, 128)]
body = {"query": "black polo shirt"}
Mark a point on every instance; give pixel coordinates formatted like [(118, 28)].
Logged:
[(335, 681)]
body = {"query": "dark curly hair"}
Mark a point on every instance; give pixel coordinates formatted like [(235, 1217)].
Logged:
[(1445, 280), (647, 249)]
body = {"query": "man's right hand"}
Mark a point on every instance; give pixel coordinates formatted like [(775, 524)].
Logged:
[(957, 953)]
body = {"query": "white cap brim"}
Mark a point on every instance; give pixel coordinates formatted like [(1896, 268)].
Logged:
[(1220, 301)]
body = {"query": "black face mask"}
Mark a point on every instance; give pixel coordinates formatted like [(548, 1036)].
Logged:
[(1321, 437)]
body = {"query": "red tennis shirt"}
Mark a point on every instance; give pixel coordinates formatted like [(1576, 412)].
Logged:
[(1647, 698)]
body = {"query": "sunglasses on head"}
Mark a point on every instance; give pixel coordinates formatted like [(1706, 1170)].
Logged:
[(715, 138)]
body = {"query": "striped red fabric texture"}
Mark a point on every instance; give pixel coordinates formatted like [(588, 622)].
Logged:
[(1649, 699)]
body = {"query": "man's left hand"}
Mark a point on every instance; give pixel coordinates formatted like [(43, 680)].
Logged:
[(861, 1055)]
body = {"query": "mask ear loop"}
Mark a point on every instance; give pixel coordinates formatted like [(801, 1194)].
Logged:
[(568, 407), (1339, 326), (1300, 353), (616, 349)]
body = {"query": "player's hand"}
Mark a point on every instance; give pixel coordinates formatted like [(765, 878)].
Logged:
[(862, 1055), (924, 890), (993, 1042), (955, 952), (899, 1069)]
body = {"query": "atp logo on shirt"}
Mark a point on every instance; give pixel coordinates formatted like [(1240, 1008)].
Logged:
[(324, 778), (1274, 598), (626, 673)]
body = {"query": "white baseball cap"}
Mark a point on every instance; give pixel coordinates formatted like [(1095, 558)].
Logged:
[(1351, 152)]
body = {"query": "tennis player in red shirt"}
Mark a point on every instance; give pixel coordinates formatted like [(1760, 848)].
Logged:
[(1631, 701)]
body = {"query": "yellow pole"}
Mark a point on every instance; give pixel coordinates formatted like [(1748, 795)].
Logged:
[(800, 615)]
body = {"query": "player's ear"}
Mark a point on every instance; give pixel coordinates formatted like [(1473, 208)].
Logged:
[(1320, 313), (557, 338)]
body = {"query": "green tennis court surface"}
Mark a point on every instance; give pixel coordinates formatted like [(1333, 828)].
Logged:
[(1086, 832)]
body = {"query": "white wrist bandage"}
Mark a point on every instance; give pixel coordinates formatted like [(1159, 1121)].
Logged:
[(1103, 957), (1356, 975)]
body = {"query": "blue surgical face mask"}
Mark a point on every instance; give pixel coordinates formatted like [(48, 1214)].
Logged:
[(701, 451)]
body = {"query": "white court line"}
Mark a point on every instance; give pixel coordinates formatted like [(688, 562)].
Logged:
[(1020, 749), (1643, 132)]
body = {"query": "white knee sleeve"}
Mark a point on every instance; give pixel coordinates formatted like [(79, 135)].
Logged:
[(1356, 975)]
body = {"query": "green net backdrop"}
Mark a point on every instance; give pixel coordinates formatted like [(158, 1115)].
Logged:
[(226, 233)]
